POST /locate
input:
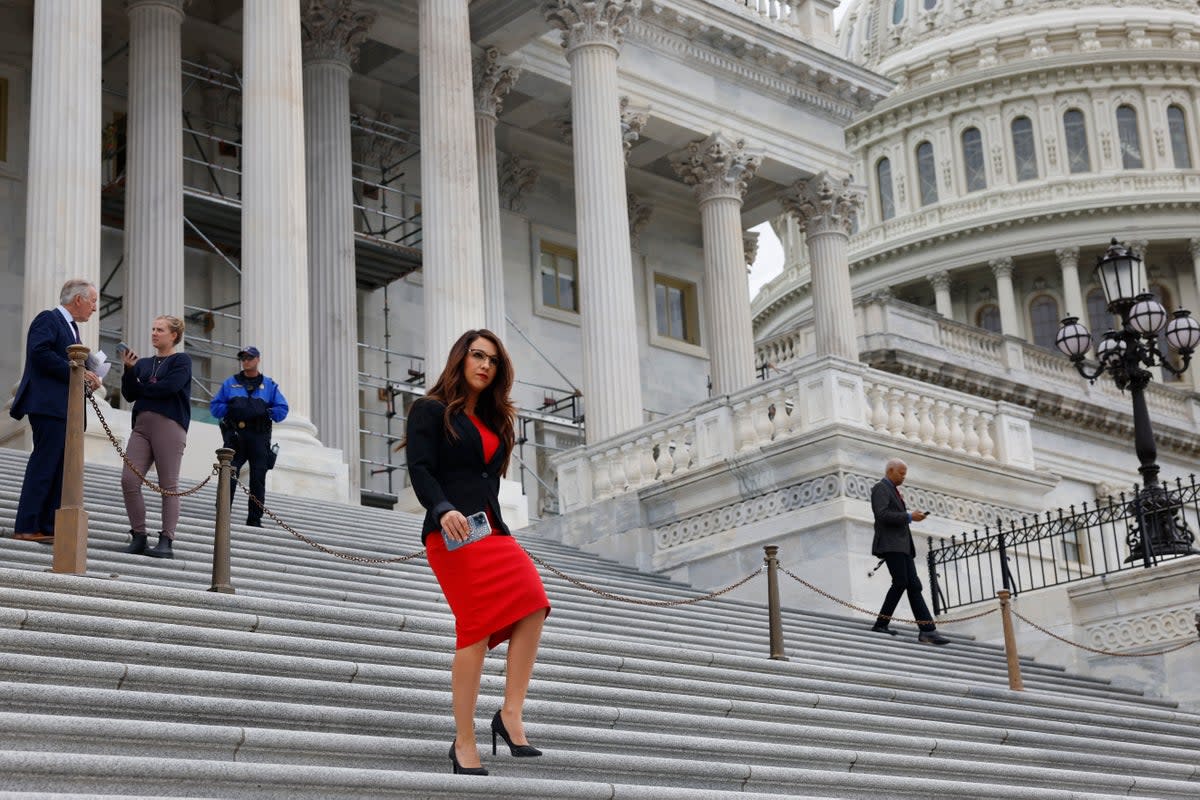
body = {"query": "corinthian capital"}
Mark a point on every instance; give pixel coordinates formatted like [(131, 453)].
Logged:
[(823, 204), (633, 120), (493, 80), (717, 167), (585, 22), (332, 30)]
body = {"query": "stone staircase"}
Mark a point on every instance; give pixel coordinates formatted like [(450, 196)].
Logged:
[(327, 678)]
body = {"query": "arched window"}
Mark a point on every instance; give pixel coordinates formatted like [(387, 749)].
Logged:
[(1024, 150), (927, 173), (1177, 123), (972, 149), (1098, 318), (897, 11), (988, 318), (930, 4), (1127, 134), (1043, 313), (883, 181), (1075, 131)]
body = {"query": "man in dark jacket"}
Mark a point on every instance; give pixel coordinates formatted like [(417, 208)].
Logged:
[(248, 404), (42, 395), (894, 544)]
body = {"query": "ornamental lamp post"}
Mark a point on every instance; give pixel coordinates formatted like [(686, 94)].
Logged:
[(1125, 355)]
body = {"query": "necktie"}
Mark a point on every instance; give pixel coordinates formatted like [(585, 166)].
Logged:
[(75, 328), (901, 496)]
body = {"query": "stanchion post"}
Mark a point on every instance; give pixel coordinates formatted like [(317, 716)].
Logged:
[(1010, 642), (220, 571), (71, 520), (774, 616)]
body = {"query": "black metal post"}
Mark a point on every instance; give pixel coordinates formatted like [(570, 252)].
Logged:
[(935, 591)]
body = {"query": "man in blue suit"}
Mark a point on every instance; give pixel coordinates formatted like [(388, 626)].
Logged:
[(42, 394)]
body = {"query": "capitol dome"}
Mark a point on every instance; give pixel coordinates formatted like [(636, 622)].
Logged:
[(1020, 137)]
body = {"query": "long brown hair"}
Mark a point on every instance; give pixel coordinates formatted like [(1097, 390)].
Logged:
[(494, 407)]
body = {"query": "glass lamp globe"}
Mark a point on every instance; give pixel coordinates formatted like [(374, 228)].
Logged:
[(1110, 347), (1121, 274), (1147, 316), (1073, 339), (1183, 332)]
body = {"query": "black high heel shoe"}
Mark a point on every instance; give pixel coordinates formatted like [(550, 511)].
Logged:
[(460, 769), (517, 750)]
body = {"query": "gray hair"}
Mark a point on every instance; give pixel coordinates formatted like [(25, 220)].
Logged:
[(76, 287), (893, 463)]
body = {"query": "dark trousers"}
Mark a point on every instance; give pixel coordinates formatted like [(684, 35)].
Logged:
[(41, 492), (255, 447), (903, 569)]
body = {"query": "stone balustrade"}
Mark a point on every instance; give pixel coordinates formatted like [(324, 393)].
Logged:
[(811, 18), (820, 395)]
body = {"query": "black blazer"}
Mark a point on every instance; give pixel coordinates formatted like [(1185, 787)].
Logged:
[(43, 387), (892, 532), (450, 474)]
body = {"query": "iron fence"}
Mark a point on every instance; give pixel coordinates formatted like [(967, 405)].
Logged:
[(1066, 545)]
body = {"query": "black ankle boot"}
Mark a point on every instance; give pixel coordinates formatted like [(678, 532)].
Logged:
[(138, 545), (163, 548)]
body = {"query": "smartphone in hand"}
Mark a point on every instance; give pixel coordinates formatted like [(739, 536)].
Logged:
[(479, 528)]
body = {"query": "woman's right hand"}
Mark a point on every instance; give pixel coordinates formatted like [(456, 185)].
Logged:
[(454, 525), (129, 358)]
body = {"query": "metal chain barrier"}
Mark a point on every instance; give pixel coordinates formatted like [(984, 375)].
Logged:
[(1097, 650), (636, 600), (318, 545), (862, 610), (117, 446)]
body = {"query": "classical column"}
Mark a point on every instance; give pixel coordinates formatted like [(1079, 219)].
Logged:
[(451, 243), (332, 33), (275, 314), (592, 36), (62, 212), (1002, 268), (1194, 249), (154, 175), (941, 293), (493, 80), (825, 207), (720, 169), (1068, 263)]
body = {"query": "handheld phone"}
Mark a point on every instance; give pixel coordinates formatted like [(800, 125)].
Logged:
[(479, 528), (122, 348)]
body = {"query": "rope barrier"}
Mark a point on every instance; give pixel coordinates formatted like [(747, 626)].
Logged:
[(117, 445), (893, 618), (1097, 650)]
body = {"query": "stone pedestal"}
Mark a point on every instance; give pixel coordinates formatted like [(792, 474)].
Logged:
[(825, 207), (154, 175), (592, 35), (720, 170), (332, 33), (62, 214), (492, 81), (451, 242)]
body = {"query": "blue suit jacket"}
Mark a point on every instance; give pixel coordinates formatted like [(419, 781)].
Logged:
[(43, 387)]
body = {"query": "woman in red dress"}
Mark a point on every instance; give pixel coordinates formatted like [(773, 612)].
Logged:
[(459, 438)]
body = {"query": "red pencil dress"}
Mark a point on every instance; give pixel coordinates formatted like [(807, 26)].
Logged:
[(489, 584)]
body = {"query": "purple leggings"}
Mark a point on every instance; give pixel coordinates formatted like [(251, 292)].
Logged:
[(159, 441)]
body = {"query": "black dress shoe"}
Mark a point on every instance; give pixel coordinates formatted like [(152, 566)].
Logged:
[(461, 770), (517, 750), (884, 629), (932, 637), (254, 523)]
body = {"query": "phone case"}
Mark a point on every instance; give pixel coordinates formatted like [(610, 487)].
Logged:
[(480, 528)]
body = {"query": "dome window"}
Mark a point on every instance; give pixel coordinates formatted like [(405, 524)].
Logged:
[(897, 11), (1177, 123), (883, 182), (927, 173), (972, 151), (930, 4), (1043, 313), (1127, 134), (988, 318), (1075, 130), (1024, 149)]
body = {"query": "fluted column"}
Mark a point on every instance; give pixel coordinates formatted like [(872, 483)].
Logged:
[(941, 293), (1002, 268), (1068, 264), (62, 213), (592, 35), (332, 33), (154, 175), (492, 81), (275, 314), (1194, 250), (451, 243), (825, 207), (720, 169)]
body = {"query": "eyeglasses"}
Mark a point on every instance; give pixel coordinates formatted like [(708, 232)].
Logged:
[(481, 356)]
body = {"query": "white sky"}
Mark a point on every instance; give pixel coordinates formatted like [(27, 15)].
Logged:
[(769, 262)]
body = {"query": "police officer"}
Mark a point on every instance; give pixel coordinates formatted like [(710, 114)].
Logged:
[(247, 404)]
